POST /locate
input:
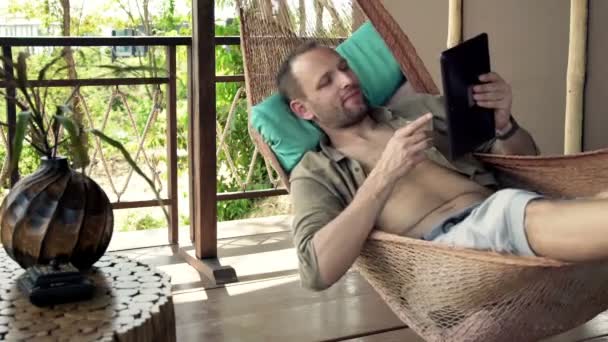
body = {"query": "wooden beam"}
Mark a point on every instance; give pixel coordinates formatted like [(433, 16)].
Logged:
[(227, 196), (575, 93), (203, 142), (190, 141), (11, 107), (229, 78), (110, 41), (172, 144), (228, 40), (210, 267), (454, 23), (139, 204), (94, 41), (89, 82)]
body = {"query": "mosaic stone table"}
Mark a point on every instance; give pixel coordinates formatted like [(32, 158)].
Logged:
[(132, 303)]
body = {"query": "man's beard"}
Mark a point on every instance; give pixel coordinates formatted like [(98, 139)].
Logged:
[(346, 117), (353, 117)]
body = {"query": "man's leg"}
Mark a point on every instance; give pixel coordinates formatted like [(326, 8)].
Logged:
[(568, 230)]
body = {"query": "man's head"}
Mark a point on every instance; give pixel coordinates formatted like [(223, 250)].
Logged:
[(318, 85)]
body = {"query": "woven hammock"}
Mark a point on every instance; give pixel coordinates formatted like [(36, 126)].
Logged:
[(442, 293)]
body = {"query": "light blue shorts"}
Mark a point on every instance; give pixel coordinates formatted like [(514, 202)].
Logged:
[(496, 224)]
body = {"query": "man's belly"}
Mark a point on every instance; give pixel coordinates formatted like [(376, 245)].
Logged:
[(425, 197)]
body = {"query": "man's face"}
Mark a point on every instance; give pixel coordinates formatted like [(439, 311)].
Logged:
[(332, 96)]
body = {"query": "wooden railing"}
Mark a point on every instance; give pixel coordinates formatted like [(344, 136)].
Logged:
[(171, 44)]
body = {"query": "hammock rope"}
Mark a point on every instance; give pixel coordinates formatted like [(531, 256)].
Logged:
[(441, 292)]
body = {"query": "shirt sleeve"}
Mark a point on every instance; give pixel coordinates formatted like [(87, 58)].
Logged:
[(314, 206)]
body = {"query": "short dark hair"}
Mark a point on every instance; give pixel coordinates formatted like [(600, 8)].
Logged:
[(288, 85)]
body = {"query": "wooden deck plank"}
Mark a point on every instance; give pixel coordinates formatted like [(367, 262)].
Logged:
[(280, 310), (400, 335), (225, 230), (270, 305)]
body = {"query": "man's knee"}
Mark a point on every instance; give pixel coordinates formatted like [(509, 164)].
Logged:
[(535, 221)]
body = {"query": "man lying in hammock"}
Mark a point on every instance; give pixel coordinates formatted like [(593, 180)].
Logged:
[(377, 168)]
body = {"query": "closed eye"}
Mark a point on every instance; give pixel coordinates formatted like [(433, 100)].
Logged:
[(343, 66), (325, 81)]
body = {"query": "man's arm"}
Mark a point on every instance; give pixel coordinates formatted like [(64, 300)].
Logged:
[(327, 253), (496, 94), (333, 248), (514, 140)]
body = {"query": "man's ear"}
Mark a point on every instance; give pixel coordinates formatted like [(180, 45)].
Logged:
[(301, 110)]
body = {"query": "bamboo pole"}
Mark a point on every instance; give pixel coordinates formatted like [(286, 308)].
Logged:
[(454, 23), (573, 135)]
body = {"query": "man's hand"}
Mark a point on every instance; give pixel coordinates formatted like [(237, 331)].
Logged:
[(495, 93), (405, 149)]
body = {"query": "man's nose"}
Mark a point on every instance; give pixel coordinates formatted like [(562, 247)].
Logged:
[(346, 79)]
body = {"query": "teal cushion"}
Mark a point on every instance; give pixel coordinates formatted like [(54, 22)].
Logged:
[(291, 137)]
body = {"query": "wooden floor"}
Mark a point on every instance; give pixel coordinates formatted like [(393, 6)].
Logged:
[(268, 303)]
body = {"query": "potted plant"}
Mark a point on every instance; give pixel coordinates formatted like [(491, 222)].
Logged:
[(55, 214)]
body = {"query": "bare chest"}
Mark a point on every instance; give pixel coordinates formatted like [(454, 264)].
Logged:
[(367, 151)]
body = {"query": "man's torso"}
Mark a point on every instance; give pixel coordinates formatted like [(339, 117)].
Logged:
[(424, 197)]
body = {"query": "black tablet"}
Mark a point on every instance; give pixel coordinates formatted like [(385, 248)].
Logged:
[(467, 125)]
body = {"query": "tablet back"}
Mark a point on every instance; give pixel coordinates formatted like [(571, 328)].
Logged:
[(467, 125)]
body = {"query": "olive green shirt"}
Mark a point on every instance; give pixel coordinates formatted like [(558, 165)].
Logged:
[(324, 182)]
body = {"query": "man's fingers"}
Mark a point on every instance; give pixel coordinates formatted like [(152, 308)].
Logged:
[(492, 104), (415, 125), (416, 138), (489, 97), (490, 77), (420, 146), (489, 87)]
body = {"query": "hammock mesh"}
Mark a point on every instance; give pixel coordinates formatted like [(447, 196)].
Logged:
[(442, 293)]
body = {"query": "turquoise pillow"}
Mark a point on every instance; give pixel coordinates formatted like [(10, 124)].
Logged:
[(291, 137)]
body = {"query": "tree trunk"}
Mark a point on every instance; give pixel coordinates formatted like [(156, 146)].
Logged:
[(319, 17), (146, 9), (78, 115), (335, 17), (65, 31), (302, 18)]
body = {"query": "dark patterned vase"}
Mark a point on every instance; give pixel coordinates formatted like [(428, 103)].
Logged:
[(56, 214)]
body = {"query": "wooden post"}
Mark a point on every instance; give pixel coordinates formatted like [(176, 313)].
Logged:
[(454, 23), (575, 95), (203, 130), (172, 144), (202, 147), (11, 108), (190, 141)]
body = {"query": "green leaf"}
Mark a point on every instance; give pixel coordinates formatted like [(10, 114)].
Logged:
[(133, 164), (69, 124), (47, 66), (23, 120), (79, 151), (22, 84)]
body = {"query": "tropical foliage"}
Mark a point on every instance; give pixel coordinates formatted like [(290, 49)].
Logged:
[(127, 113)]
